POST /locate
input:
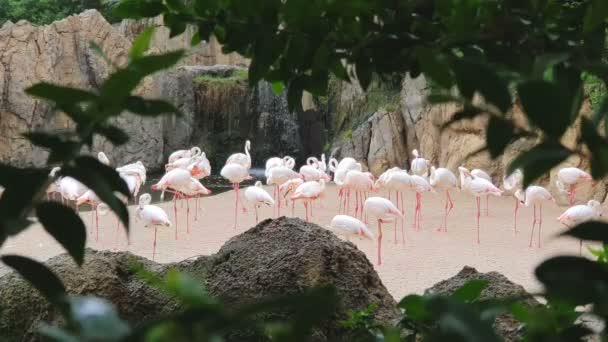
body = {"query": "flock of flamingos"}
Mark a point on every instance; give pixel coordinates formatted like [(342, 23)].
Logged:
[(186, 168)]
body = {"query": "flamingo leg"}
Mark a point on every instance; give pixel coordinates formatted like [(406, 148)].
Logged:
[(478, 199), (533, 225), (365, 213), (571, 195), (196, 208), (379, 242), (540, 223), (402, 220), (306, 209), (96, 225), (154, 244), (397, 204), (347, 201), (255, 207), (278, 200), (92, 218), (419, 207), (515, 215), (356, 203), (340, 201), (187, 215), (487, 205), (175, 213), (236, 203), (449, 210), (293, 205)]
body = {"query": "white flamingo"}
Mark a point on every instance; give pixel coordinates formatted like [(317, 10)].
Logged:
[(257, 196), (419, 166), (581, 213), (235, 173), (350, 226), (420, 185), (535, 196), (477, 187), (443, 179), (568, 178), (384, 211), (290, 186), (361, 183), (308, 192), (243, 159), (512, 183), (277, 176), (152, 216), (194, 151)]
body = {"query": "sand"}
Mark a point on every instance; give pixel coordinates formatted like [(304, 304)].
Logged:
[(426, 258)]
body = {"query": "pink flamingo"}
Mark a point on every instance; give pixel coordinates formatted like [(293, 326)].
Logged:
[(91, 199), (153, 216), (419, 166), (477, 187), (360, 183), (308, 192), (187, 190), (290, 186), (350, 226), (444, 179), (535, 195), (340, 172), (482, 174), (569, 178), (183, 154), (581, 213), (257, 196), (173, 179), (513, 183), (313, 172), (243, 159), (399, 181), (235, 173), (419, 184), (384, 211), (277, 176)]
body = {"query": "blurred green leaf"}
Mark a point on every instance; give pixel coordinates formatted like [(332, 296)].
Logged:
[(470, 291), (415, 307), (114, 134), (143, 107), (547, 61), (65, 226), (277, 87), (60, 94), (434, 67), (472, 76), (537, 161), (39, 276), (590, 230), (597, 12), (186, 288), (598, 146), (57, 334), (61, 146), (141, 43), (500, 133), (468, 112), (553, 117), (96, 319), (458, 321), (137, 9)]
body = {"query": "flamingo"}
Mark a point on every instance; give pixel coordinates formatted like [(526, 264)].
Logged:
[(399, 181), (153, 216), (173, 179), (348, 225), (289, 186), (477, 187), (313, 172), (277, 176), (91, 198), (419, 184), (186, 161), (513, 183), (200, 167), (534, 195), (235, 173), (53, 188), (419, 165), (243, 159), (384, 211), (187, 190), (340, 170), (308, 192), (581, 213), (360, 183), (482, 174), (257, 196), (183, 154), (319, 164), (444, 179), (569, 178)]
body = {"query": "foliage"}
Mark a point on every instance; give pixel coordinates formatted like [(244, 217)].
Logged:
[(42, 12), (236, 77), (541, 49)]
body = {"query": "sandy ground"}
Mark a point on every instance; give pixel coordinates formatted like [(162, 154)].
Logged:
[(426, 258)]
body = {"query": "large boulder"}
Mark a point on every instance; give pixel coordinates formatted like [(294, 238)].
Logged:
[(499, 287), (277, 257)]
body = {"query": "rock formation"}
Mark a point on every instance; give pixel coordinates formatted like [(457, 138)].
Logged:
[(276, 257), (499, 287)]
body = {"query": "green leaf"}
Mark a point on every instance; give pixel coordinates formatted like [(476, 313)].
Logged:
[(538, 161), (500, 133), (61, 146), (575, 279), (22, 186), (598, 147), (65, 226), (590, 231), (470, 291), (459, 322), (143, 107), (60, 94), (415, 307), (196, 39), (434, 67), (114, 134), (39, 276), (141, 43), (553, 117), (468, 112), (97, 319), (472, 76), (54, 333), (103, 180), (137, 9), (294, 95), (597, 12), (364, 74), (186, 288), (547, 61), (277, 87)]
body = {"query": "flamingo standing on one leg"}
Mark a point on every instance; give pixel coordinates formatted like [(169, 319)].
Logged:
[(477, 187), (420, 185), (399, 181), (290, 186), (172, 180), (340, 172), (308, 192), (153, 216), (482, 174), (533, 196), (581, 213), (419, 166), (350, 226), (384, 211), (235, 174), (513, 183), (360, 183), (444, 179), (91, 198), (277, 176), (257, 196), (569, 178), (243, 159)]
